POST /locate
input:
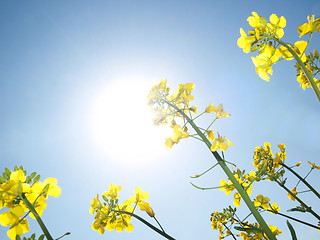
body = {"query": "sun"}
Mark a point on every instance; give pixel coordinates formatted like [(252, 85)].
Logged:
[(122, 123)]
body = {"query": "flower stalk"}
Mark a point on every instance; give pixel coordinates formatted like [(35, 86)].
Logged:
[(230, 175), (303, 67), (38, 218)]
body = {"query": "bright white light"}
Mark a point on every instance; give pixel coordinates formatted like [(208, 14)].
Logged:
[(122, 123)]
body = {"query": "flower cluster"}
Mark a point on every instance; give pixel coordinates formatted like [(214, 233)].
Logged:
[(260, 39), (176, 107), (218, 222), (244, 179), (265, 37), (312, 64), (110, 214), (224, 221), (15, 190), (265, 162)]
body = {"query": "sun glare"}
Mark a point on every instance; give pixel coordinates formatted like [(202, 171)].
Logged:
[(122, 124)]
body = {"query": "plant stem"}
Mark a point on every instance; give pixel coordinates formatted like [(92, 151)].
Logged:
[(303, 67), (235, 182), (39, 220), (147, 223), (294, 219), (302, 180), (299, 200)]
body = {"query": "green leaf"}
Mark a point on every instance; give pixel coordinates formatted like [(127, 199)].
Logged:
[(18, 237), (41, 237), (293, 233), (16, 168)]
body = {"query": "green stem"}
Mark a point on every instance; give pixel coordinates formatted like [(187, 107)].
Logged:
[(299, 200), (303, 67), (294, 219), (39, 220), (158, 224), (199, 175), (302, 180), (206, 188), (235, 182), (147, 223)]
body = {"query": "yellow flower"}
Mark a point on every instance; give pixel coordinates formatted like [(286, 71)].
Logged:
[(313, 166), (169, 143), (311, 26), (237, 199), (274, 208), (276, 24), (228, 187), (95, 204), (210, 135), (193, 109), (139, 196), (263, 62), (298, 164), (53, 190), (220, 143), (145, 206), (275, 230), (178, 133), (261, 201), (113, 191), (12, 217), (245, 41), (218, 110), (256, 21), (294, 192)]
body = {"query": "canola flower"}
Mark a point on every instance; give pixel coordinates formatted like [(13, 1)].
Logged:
[(176, 108), (19, 193), (111, 215), (265, 37)]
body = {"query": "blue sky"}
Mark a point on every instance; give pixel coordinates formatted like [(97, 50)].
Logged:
[(58, 58)]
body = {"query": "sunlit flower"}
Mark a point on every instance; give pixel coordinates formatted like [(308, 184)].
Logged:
[(312, 25), (220, 143), (261, 201)]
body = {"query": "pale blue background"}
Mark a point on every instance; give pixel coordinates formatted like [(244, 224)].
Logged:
[(56, 55)]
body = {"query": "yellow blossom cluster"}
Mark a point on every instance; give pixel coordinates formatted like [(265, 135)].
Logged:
[(244, 180), (112, 215), (312, 64), (259, 39), (218, 221), (15, 188), (266, 163), (175, 107), (265, 37)]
